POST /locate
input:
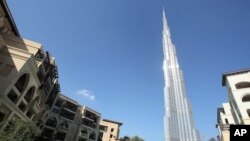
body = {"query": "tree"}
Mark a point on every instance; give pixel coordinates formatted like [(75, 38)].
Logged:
[(125, 138), (212, 139), (18, 130), (136, 138)]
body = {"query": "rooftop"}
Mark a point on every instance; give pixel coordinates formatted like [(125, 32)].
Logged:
[(107, 120), (224, 75)]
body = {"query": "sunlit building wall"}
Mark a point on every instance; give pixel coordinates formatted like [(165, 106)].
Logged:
[(237, 111), (109, 130), (28, 75)]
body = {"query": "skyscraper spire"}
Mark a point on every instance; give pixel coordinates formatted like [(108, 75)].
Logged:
[(178, 120)]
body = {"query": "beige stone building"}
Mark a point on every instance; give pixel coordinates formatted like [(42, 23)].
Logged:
[(28, 75), (29, 90), (109, 130), (69, 121), (237, 110), (89, 125)]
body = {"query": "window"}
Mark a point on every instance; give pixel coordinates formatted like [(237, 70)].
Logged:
[(92, 136), (47, 133), (30, 93), (82, 140), (22, 82), (112, 129), (22, 106), (60, 136), (2, 116), (67, 114), (84, 131), (242, 85), (64, 125), (111, 136), (55, 110), (29, 114), (246, 98), (59, 103), (103, 128), (51, 122), (226, 120), (248, 112), (12, 96)]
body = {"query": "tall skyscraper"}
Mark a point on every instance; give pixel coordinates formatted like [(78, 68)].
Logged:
[(178, 120)]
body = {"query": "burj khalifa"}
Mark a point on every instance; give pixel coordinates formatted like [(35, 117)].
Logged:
[(178, 119)]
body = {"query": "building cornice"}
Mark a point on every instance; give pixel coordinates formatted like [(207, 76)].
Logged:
[(9, 16), (224, 75)]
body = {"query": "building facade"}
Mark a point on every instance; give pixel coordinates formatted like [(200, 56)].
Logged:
[(109, 130), (178, 120), (237, 110), (69, 121), (30, 91), (28, 75)]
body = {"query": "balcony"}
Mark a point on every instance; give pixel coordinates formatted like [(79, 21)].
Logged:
[(83, 134), (40, 55), (219, 111), (70, 107), (67, 114), (52, 96), (64, 126), (88, 123), (223, 127), (90, 116)]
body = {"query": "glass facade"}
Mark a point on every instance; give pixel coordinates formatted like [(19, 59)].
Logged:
[(178, 119)]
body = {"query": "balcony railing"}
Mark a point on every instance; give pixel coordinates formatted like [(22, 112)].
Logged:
[(224, 127), (52, 96), (71, 107), (40, 55), (84, 134), (88, 123), (67, 114)]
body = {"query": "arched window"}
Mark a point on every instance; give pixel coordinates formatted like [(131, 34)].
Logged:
[(12, 96), (248, 112), (30, 93), (22, 82), (2, 116), (64, 125), (51, 122), (242, 85), (246, 98), (92, 136), (84, 131)]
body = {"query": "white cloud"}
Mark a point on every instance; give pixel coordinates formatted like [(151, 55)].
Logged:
[(86, 94)]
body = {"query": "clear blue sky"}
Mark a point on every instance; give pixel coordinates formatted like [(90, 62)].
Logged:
[(109, 53)]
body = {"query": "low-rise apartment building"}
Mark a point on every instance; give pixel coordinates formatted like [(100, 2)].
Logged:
[(237, 110), (69, 121), (109, 130)]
